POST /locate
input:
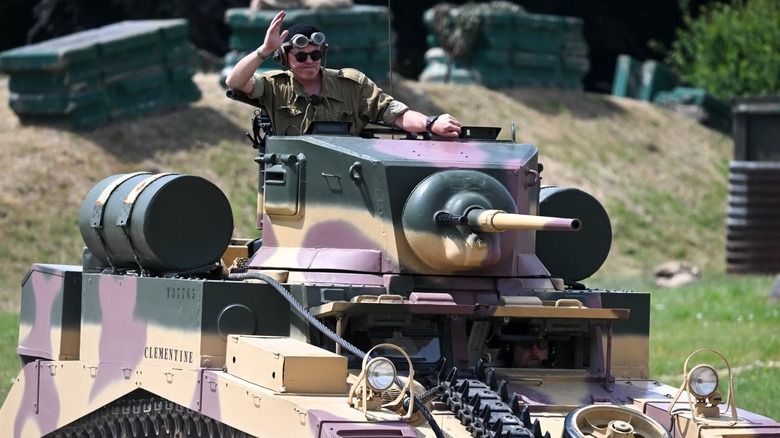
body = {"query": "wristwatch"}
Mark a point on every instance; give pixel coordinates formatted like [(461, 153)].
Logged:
[(429, 122)]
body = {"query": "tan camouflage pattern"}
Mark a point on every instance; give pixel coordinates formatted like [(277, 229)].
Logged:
[(223, 353)]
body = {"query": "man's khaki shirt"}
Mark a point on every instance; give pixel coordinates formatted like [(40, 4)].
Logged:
[(347, 95)]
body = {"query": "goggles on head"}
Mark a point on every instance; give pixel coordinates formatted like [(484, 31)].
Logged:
[(300, 40)]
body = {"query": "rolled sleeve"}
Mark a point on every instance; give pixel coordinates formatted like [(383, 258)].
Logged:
[(258, 87), (394, 109)]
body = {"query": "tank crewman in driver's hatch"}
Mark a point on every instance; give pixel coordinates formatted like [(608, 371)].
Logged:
[(531, 354), (308, 92)]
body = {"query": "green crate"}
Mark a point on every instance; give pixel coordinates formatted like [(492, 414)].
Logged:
[(237, 18), (53, 54), (697, 103), (577, 65), (574, 42), (353, 59), (180, 53), (693, 96), (356, 16), (499, 39), (494, 79), (154, 78), (155, 93), (528, 41), (126, 36), (656, 77), (497, 20), (536, 61), (494, 58), (119, 98), (538, 33), (575, 48), (72, 78), (117, 68), (174, 30), (83, 118), (184, 91), (247, 39), (539, 79), (347, 39), (182, 72), (233, 57), (122, 70), (90, 46), (628, 77), (244, 43), (141, 107), (56, 102)]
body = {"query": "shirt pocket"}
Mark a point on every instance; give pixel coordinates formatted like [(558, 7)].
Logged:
[(343, 115)]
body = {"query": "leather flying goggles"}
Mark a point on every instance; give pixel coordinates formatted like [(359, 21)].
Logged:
[(301, 56), (300, 40)]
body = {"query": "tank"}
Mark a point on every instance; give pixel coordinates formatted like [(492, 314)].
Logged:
[(400, 286)]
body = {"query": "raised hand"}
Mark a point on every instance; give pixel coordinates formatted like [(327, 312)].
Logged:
[(274, 37)]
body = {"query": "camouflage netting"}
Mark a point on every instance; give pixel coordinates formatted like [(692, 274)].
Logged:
[(278, 5), (500, 45), (457, 27)]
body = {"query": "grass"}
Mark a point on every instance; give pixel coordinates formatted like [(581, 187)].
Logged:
[(726, 313), (9, 361)]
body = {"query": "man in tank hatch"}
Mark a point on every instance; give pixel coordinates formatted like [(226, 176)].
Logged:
[(308, 92)]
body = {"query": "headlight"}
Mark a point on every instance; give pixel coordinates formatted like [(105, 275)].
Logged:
[(703, 380), (380, 373)]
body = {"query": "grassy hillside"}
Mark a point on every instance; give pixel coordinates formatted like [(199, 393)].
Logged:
[(662, 178)]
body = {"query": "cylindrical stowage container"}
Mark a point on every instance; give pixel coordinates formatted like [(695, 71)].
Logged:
[(573, 256), (753, 223), (163, 222)]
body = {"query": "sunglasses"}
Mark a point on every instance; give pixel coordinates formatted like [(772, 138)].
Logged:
[(301, 56), (541, 344)]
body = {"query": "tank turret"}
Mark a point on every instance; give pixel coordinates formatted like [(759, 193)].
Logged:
[(384, 207), (409, 287)]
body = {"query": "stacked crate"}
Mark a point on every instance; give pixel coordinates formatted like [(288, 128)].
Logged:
[(517, 49), (643, 80), (90, 78), (357, 37), (697, 104), (655, 82)]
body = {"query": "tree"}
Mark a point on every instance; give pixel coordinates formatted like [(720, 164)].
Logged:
[(730, 50)]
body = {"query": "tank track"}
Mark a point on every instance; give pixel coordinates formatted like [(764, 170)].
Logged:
[(482, 406), (485, 408), (146, 418)]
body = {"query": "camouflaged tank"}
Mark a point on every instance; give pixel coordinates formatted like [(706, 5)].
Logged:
[(407, 287)]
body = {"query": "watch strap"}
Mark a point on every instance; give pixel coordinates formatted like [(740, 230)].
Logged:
[(429, 122)]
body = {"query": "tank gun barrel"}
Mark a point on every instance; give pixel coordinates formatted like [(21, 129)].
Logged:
[(494, 221)]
